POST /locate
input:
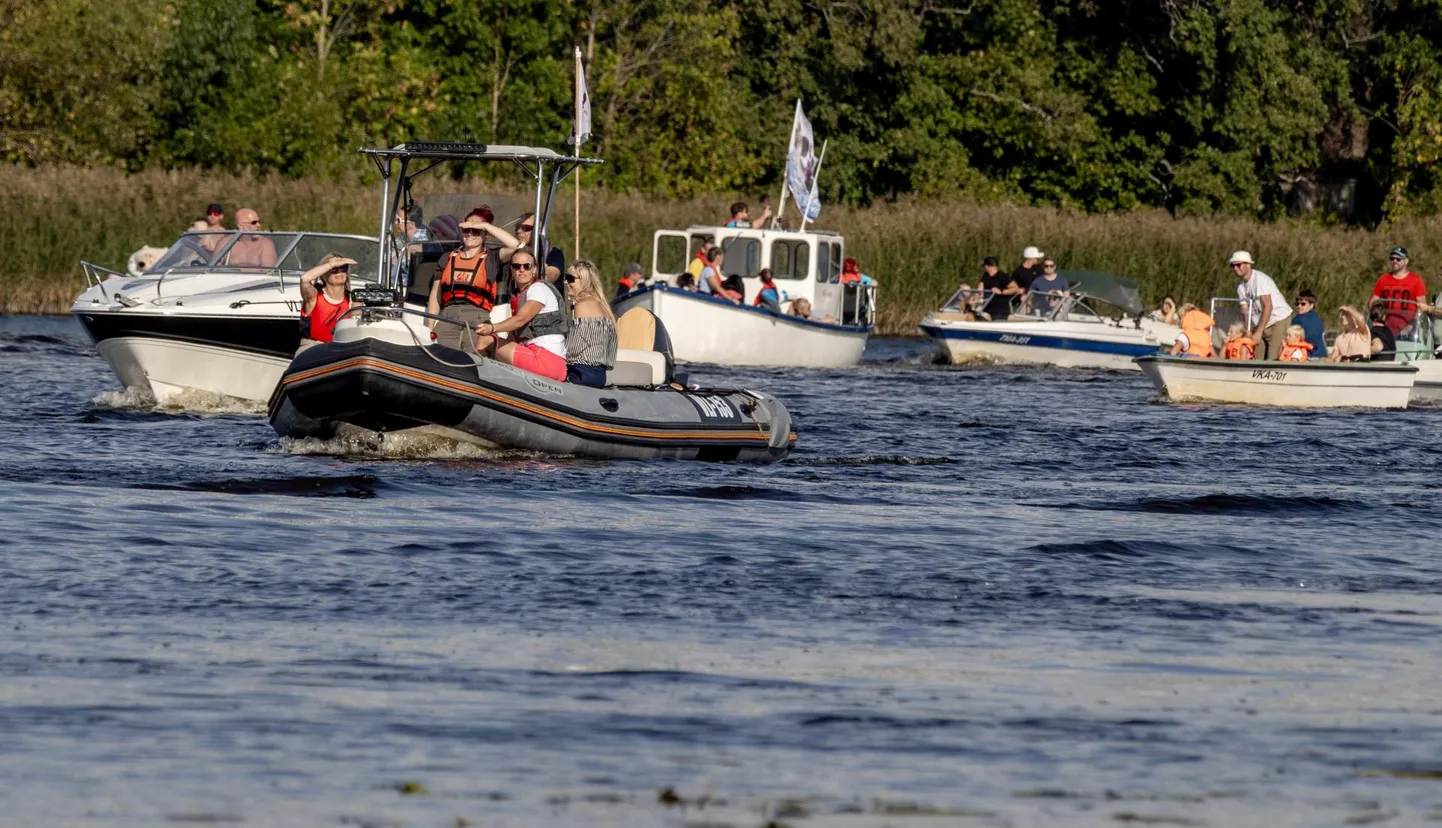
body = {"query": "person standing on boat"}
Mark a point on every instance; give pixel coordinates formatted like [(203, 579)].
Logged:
[(1049, 290), (540, 324), (324, 297), (741, 216), (1028, 271), (591, 341), (1311, 322), (214, 226), (1000, 289), (1269, 313), (465, 290), (251, 249), (1400, 291)]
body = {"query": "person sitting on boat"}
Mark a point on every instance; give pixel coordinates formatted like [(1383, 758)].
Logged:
[(251, 249), (1354, 343), (540, 324), (633, 276), (1270, 313), (1400, 291), (698, 262), (741, 216), (1384, 342), (1296, 348), (1049, 290), (555, 256), (1195, 340), (1311, 322), (686, 282), (1239, 345), (1166, 312), (591, 341), (801, 306), (465, 289), (214, 222), (770, 296), (851, 273), (410, 225), (711, 279), (324, 299)]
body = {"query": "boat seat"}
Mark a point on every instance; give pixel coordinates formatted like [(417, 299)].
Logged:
[(637, 367), (642, 344)]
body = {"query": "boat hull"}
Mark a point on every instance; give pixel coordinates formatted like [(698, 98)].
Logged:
[(1287, 384), (381, 384), (716, 332), (1065, 344), (1427, 390)]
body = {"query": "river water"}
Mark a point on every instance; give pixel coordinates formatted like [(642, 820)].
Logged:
[(974, 596)]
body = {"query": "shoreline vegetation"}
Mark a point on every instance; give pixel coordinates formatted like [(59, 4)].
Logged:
[(918, 250)]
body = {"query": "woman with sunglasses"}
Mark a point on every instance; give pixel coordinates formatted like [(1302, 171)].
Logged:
[(591, 342), (465, 290), (554, 256), (539, 324), (325, 297)]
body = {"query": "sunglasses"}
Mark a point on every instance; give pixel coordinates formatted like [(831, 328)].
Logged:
[(470, 232), (1307, 302), (523, 265), (1396, 259), (570, 278), (526, 228), (340, 269), (1236, 265), (1048, 267)]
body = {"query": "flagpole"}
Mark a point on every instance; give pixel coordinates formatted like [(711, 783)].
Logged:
[(781, 207), (576, 248), (815, 182)]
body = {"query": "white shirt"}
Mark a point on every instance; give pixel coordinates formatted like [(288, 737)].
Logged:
[(555, 343), (1252, 290)]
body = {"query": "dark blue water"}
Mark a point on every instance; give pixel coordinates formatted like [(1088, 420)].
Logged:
[(974, 596)]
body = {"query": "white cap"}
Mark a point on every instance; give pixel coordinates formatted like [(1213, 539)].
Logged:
[(1032, 253), (1241, 257)]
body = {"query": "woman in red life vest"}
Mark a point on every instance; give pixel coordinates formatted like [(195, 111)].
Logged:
[(325, 297), (465, 290), (850, 271)]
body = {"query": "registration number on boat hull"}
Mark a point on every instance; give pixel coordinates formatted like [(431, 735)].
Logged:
[(1013, 339), (1269, 375)]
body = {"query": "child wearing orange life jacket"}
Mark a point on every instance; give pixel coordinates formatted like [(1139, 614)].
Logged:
[(1195, 340), (1239, 345), (1296, 348)]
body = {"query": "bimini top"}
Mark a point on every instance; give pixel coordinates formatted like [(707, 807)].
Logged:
[(465, 151), (1117, 291)]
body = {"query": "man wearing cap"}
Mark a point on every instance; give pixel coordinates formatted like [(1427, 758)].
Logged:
[(1028, 271), (1400, 291), (632, 276), (214, 215), (1268, 313)]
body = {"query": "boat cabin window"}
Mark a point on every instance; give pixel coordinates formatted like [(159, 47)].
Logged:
[(835, 263), (671, 256), (743, 257), (791, 259), (193, 250), (828, 261)]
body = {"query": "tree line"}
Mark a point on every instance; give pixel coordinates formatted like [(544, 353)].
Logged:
[(1244, 107)]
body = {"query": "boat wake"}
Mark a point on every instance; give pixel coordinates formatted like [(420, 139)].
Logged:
[(189, 401), (391, 446)]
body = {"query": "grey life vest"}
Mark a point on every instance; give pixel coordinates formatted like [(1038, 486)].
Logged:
[(546, 323)]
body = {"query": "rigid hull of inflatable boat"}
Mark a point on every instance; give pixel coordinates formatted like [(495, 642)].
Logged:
[(383, 386), (1289, 384), (716, 332), (1066, 344)]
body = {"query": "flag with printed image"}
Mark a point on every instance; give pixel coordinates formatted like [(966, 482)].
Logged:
[(583, 108), (801, 166)]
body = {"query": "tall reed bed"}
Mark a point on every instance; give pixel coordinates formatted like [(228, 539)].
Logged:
[(56, 216)]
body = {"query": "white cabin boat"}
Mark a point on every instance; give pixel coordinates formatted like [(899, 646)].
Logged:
[(1098, 324), (805, 264), (1314, 384)]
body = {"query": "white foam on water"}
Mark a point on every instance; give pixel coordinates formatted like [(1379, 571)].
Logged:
[(189, 401), (131, 399), (405, 445)]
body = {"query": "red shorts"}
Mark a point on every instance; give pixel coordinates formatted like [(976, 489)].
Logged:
[(538, 360)]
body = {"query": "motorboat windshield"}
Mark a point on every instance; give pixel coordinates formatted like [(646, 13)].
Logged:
[(252, 252)]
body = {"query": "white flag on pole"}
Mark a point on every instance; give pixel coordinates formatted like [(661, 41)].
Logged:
[(583, 104), (801, 166)]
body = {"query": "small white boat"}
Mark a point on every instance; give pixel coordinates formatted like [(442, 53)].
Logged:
[(805, 265), (1315, 384), (196, 322), (1098, 325), (1416, 345)]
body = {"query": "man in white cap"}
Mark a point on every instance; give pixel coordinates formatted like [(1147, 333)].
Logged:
[(1028, 270), (1269, 312)]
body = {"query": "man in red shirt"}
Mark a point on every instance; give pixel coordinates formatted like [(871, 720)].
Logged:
[(1400, 291)]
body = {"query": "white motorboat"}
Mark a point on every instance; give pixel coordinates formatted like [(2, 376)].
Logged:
[(195, 321), (806, 265), (1098, 323), (1416, 345), (1314, 384)]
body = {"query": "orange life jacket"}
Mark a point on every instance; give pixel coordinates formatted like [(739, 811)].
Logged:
[(1296, 351), (626, 282), (320, 322), (1243, 347), (765, 287), (460, 284), (848, 278), (1197, 325)]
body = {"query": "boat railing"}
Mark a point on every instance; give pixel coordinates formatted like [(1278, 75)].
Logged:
[(1417, 338), (95, 276), (858, 304)]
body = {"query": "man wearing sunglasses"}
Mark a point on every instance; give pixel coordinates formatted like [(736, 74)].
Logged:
[(1267, 310), (1400, 292), (525, 232), (251, 249)]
